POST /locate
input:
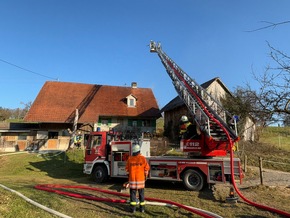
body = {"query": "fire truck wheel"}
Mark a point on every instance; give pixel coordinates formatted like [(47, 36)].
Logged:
[(193, 180), (100, 174)]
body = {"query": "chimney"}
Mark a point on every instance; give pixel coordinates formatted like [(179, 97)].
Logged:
[(133, 85)]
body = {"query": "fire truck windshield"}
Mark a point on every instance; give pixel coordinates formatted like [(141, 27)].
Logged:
[(96, 141)]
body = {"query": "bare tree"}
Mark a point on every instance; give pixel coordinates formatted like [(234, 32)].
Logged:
[(26, 108), (5, 114), (270, 103), (273, 95), (18, 113), (274, 92)]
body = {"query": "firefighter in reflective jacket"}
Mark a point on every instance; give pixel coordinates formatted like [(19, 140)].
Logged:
[(138, 168), (78, 140)]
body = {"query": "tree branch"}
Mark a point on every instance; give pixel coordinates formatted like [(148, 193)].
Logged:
[(268, 26)]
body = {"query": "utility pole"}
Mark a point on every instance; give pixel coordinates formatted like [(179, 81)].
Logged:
[(73, 133)]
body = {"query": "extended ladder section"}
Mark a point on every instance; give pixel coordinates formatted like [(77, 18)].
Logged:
[(208, 113)]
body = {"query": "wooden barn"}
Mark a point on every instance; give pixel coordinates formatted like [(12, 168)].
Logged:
[(176, 108)]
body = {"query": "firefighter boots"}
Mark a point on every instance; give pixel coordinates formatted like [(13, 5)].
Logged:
[(142, 209)]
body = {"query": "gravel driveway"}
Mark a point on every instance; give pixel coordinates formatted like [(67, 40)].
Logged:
[(270, 178)]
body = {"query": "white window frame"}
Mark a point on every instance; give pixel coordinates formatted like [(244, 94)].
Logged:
[(105, 122), (131, 101), (134, 123)]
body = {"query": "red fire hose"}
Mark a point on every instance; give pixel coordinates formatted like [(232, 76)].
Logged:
[(280, 212), (284, 213), (56, 189)]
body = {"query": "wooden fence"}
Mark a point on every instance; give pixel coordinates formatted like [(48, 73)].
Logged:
[(261, 169)]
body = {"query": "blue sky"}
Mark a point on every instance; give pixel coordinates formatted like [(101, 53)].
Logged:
[(106, 42)]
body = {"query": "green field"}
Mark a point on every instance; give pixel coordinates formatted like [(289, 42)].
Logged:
[(273, 147), (277, 136)]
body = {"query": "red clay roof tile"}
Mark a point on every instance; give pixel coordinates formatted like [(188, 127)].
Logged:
[(57, 101)]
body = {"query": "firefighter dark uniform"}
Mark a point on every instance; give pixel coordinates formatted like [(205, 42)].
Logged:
[(138, 168), (184, 123), (188, 130)]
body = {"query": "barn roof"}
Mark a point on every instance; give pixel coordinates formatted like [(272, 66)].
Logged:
[(178, 102), (218, 80), (57, 102)]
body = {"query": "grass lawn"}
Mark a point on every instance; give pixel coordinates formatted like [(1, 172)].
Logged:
[(22, 172)]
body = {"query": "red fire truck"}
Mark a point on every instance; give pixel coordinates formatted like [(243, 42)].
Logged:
[(106, 158), (206, 160)]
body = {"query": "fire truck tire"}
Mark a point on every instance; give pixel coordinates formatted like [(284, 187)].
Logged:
[(100, 174), (193, 180)]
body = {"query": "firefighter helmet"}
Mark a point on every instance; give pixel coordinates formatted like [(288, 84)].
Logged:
[(136, 148), (184, 119)]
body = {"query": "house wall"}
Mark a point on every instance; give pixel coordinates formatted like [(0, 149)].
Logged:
[(57, 136), (249, 132), (14, 141), (216, 90), (124, 125)]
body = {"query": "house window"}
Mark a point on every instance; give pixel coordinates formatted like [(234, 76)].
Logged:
[(146, 123), (105, 122), (52, 135), (134, 123), (22, 136), (131, 101)]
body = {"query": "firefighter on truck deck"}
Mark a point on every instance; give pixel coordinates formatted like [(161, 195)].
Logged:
[(188, 130), (138, 169), (184, 123)]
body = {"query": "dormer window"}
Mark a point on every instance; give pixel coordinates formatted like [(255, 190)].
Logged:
[(131, 101)]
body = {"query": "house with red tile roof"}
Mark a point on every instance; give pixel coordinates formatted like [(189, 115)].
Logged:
[(57, 102), (128, 110)]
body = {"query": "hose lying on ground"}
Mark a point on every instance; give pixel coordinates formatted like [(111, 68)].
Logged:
[(274, 210), (12, 153), (35, 203), (56, 189)]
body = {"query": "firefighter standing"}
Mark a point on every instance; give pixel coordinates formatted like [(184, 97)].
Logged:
[(138, 168), (78, 140)]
